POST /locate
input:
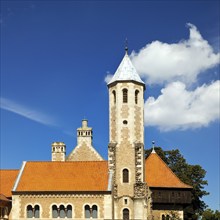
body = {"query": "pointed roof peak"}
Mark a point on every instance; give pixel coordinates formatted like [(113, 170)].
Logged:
[(153, 150), (126, 71)]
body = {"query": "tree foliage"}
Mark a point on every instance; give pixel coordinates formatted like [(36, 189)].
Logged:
[(192, 175), (209, 214)]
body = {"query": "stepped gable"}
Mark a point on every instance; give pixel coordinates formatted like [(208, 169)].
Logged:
[(158, 174), (7, 180), (64, 176)]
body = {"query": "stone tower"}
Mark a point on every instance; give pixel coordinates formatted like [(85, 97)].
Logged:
[(126, 142), (58, 151)]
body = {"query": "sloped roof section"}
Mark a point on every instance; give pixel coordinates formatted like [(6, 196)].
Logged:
[(126, 72), (7, 180), (158, 174), (64, 176)]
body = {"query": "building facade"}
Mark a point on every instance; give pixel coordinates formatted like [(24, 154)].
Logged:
[(83, 185)]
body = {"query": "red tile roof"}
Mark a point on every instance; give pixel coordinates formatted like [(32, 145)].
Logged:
[(64, 176), (81, 176), (158, 174), (7, 180)]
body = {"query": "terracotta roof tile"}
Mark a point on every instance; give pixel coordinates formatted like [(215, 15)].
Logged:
[(7, 180), (158, 174), (64, 176)]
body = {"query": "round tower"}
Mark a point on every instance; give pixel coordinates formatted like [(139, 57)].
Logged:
[(126, 140)]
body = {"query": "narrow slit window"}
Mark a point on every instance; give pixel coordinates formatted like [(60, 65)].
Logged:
[(136, 96), (125, 95), (114, 96)]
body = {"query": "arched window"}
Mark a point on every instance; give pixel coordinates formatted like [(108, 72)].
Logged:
[(114, 96), (136, 96), (163, 217), (3, 212), (54, 211), (125, 174), (62, 211), (125, 95), (69, 211), (87, 211), (36, 211), (94, 211), (30, 213), (167, 217), (125, 214)]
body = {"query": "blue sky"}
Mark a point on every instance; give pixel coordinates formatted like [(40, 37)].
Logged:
[(56, 56)]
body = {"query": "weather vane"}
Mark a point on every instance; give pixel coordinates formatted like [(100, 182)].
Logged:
[(126, 45)]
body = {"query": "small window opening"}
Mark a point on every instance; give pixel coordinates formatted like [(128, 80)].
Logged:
[(36, 211), (125, 95), (114, 96), (91, 212), (136, 96), (125, 176), (167, 217), (125, 122), (30, 212), (69, 211), (94, 211)]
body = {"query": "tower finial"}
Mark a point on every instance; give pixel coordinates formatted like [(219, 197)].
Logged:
[(126, 45), (153, 150)]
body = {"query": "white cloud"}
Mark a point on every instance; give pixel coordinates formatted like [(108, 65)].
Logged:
[(108, 78), (177, 108), (26, 112), (160, 62)]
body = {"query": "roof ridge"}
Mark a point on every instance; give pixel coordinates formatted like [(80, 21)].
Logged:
[(63, 162)]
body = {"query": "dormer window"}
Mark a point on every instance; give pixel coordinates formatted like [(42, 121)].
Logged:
[(125, 95)]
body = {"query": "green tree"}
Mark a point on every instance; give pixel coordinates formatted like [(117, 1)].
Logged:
[(192, 175), (209, 214)]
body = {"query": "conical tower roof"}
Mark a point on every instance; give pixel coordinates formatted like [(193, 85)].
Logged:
[(126, 72)]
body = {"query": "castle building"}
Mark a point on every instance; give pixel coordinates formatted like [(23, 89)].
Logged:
[(83, 185)]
